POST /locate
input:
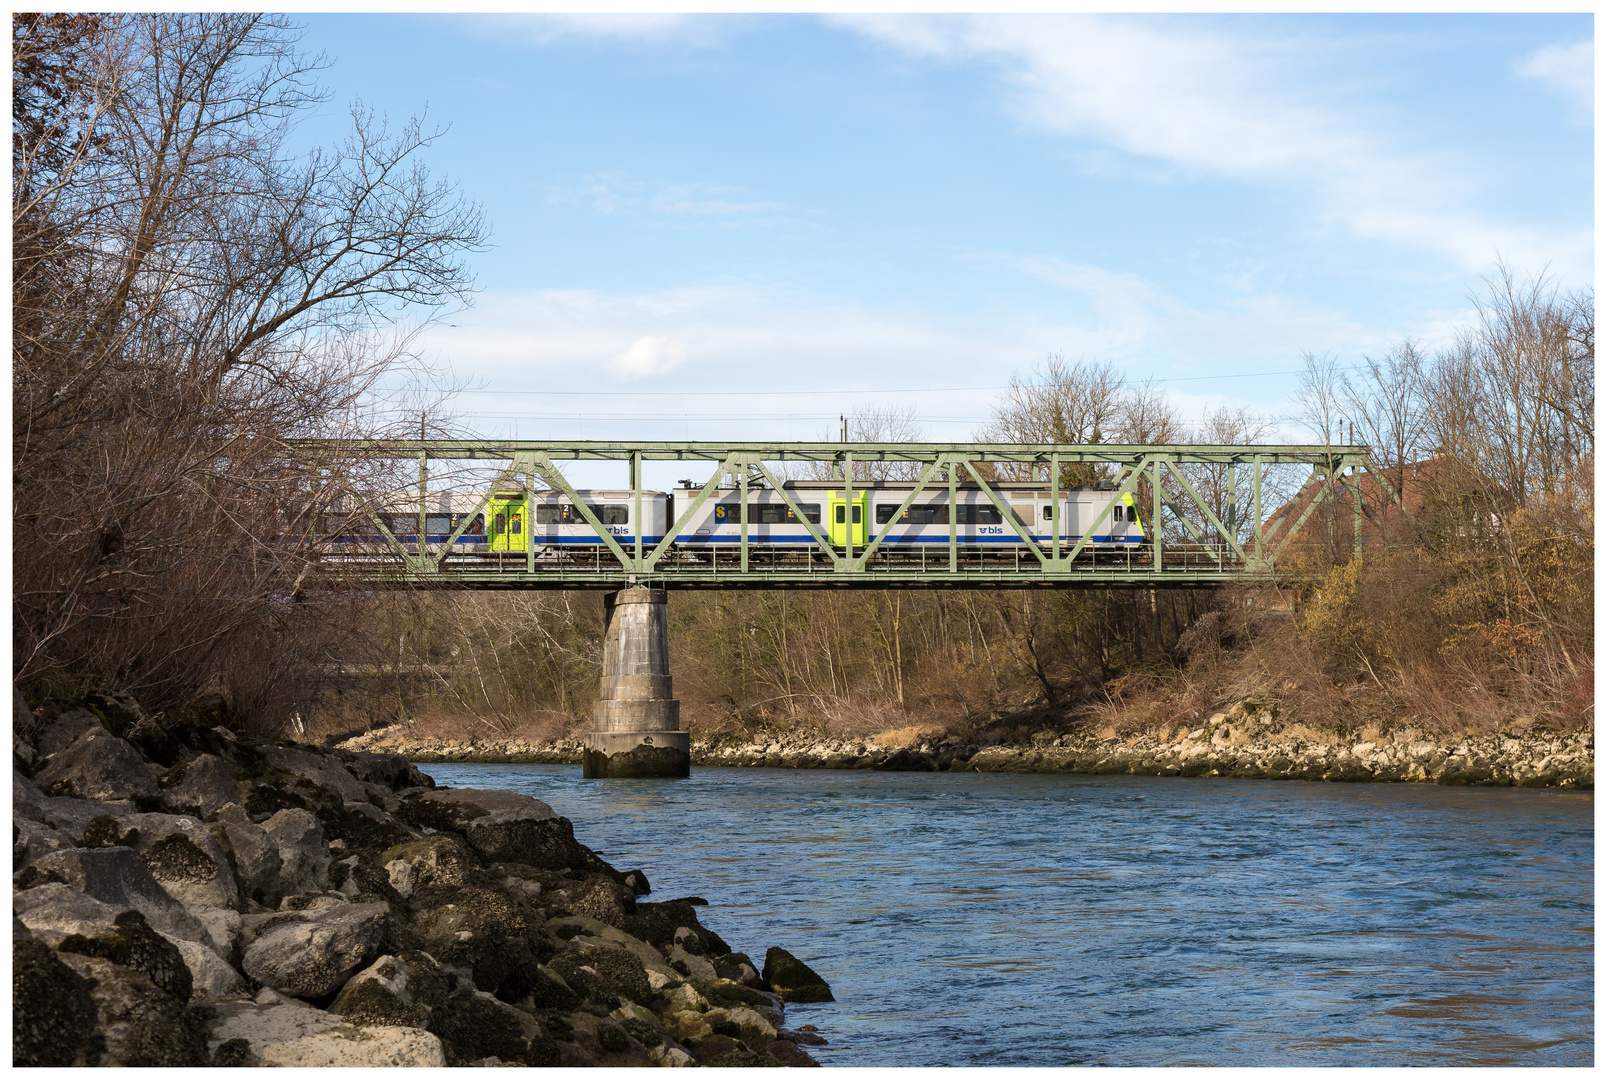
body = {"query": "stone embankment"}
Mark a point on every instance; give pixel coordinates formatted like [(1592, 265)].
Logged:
[(185, 896), (1244, 741)]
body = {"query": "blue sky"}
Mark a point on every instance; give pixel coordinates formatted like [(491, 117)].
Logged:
[(871, 207)]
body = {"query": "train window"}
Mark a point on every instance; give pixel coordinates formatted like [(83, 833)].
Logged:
[(438, 523), (920, 514), (477, 526), (810, 510), (549, 515), (842, 514), (1048, 512), (979, 515), (607, 513)]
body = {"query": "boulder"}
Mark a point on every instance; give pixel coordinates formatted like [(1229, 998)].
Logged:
[(502, 826), (211, 976), (131, 943), (119, 877), (594, 932), (603, 899), (59, 732), (316, 953), (98, 765), (396, 991), (751, 1028), (272, 1031), (52, 1010), (199, 787), (253, 856), (793, 979), (180, 851), (786, 1051), (322, 770), (303, 851), (473, 1025), (223, 927), (141, 1024), (621, 972), (71, 816), (693, 967), (53, 911), (33, 840), (391, 771), (498, 936), (442, 859)]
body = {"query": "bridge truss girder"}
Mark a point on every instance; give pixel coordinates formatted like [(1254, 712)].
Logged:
[(1152, 474)]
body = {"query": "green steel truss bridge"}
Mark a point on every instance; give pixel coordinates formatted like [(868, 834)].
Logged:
[(1206, 537)]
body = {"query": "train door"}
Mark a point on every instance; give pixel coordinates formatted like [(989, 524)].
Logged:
[(845, 517), (508, 521)]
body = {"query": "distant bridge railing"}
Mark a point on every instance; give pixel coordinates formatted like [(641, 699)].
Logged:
[(1190, 538)]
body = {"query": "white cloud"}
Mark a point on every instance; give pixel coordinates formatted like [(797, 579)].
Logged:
[(616, 193), (1217, 105), (1568, 69), (648, 356), (646, 27), (729, 362)]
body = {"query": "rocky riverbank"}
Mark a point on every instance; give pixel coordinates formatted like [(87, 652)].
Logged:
[(1244, 741), (186, 896)]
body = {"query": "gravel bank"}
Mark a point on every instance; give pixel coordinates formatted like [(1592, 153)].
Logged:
[(1242, 742)]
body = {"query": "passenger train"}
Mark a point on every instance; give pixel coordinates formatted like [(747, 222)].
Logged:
[(550, 522)]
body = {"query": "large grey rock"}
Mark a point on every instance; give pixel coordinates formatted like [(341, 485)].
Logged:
[(141, 1024), (254, 856), (199, 787), (211, 977), (26, 798), (793, 979), (69, 816), (320, 769), (303, 851), (183, 856), (33, 841), (395, 991), (119, 877), (442, 859), (60, 732), (596, 932), (275, 1032), (98, 765), (223, 928), (502, 826), (393, 771), (51, 912), (317, 953)]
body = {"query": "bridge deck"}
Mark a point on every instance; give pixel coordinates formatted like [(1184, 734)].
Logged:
[(1188, 542)]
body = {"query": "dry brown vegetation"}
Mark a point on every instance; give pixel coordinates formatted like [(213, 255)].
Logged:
[(186, 293)]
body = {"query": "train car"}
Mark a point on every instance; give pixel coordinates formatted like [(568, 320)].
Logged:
[(872, 508)]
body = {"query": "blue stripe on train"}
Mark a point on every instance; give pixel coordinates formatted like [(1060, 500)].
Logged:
[(718, 538)]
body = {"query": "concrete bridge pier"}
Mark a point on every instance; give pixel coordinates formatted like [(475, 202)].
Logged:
[(636, 723)]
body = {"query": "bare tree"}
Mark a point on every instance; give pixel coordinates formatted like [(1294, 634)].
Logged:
[(880, 424), (187, 293)]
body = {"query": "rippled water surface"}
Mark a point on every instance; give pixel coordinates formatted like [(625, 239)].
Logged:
[(988, 919)]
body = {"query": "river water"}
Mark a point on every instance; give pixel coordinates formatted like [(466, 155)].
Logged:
[(1001, 919)]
